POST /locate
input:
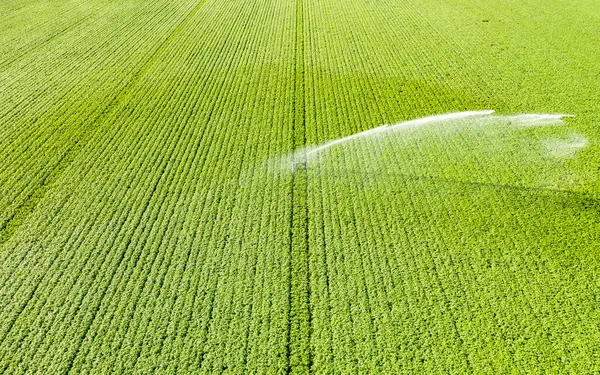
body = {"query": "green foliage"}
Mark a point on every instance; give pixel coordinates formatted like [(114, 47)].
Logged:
[(149, 222)]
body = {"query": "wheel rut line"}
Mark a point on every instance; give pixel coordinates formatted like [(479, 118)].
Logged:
[(299, 333)]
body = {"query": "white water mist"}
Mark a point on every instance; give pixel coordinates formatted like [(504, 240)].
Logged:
[(303, 155)]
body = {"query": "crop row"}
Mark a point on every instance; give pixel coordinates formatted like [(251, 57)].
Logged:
[(149, 259), (399, 268), (50, 125), (145, 228)]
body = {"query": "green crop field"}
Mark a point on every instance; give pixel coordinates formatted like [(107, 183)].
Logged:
[(209, 186)]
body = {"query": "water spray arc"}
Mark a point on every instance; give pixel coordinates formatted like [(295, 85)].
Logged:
[(557, 147), (303, 155)]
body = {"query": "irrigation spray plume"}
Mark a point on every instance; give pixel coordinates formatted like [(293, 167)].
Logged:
[(402, 125), (533, 119), (302, 156), (566, 148)]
